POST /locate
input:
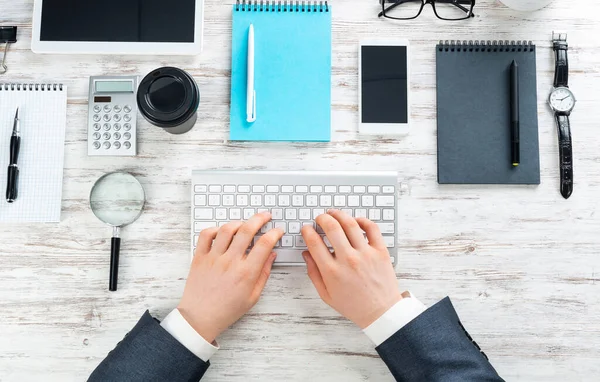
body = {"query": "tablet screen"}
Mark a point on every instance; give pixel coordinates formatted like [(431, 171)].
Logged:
[(118, 20)]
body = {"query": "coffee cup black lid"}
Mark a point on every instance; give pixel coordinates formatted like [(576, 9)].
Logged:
[(168, 97)]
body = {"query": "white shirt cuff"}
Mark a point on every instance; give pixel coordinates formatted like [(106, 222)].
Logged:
[(394, 319), (178, 327)]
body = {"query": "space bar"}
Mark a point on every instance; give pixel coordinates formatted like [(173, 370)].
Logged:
[(289, 256)]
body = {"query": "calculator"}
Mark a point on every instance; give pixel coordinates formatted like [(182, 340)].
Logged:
[(112, 116)]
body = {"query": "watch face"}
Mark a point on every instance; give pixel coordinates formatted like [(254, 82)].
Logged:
[(562, 99)]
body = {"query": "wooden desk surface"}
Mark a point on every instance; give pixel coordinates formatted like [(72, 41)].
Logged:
[(520, 263)]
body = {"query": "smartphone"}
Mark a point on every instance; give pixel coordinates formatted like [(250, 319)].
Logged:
[(383, 87)]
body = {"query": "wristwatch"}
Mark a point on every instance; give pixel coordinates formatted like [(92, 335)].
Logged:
[(562, 101)]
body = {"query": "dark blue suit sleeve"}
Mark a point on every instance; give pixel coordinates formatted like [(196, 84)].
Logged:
[(149, 353), (435, 347)]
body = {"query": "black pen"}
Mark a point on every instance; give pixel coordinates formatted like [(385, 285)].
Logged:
[(514, 115), (12, 187)]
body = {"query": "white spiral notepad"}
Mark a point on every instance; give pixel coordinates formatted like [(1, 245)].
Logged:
[(42, 114)]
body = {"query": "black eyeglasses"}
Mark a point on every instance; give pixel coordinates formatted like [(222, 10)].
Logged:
[(443, 9)]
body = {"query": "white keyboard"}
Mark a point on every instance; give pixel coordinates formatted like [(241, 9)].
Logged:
[(294, 199)]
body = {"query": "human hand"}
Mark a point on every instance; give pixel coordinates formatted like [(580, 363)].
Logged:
[(224, 283), (358, 280)]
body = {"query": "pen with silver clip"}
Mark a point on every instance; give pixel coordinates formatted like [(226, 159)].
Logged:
[(12, 187)]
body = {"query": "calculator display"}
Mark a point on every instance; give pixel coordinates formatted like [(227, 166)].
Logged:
[(114, 86)]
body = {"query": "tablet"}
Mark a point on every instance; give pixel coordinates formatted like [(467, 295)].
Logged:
[(118, 27)]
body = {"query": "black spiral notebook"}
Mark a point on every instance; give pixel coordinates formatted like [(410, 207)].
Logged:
[(473, 112)]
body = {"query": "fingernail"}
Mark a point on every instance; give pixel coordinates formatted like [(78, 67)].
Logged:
[(331, 211), (304, 256)]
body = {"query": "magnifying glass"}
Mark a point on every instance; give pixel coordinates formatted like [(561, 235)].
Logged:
[(117, 199)]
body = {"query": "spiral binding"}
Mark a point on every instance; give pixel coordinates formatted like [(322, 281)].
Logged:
[(31, 87), (486, 46), (281, 6)]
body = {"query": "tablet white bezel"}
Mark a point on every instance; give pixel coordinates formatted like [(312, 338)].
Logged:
[(95, 47), (383, 128)]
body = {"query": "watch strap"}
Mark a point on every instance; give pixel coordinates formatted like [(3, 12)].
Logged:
[(565, 150), (560, 47)]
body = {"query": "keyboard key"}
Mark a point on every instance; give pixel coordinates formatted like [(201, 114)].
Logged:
[(317, 212), (277, 214), (256, 200), (267, 227), (385, 201), (200, 188), (203, 213), (308, 223), (229, 189), (195, 240), (291, 214), (331, 189), (325, 201), (298, 200), (270, 200), (221, 224), (345, 189), (283, 200), (373, 189), (281, 225), (367, 200), (261, 210), (228, 200), (353, 201), (242, 200), (390, 241), (360, 213), (294, 227), (360, 189), (303, 189), (304, 214), (287, 241), (300, 242), (273, 189), (316, 189), (248, 213), (287, 188), (386, 227), (214, 200), (199, 200), (312, 201), (389, 214), (243, 188), (258, 188), (339, 200), (235, 214), (221, 214), (375, 214), (388, 189), (214, 188), (201, 226), (348, 211)]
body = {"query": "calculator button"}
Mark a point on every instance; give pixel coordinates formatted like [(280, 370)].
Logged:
[(116, 117), (106, 145), (127, 145), (96, 118), (96, 145), (117, 108), (106, 136), (117, 145), (117, 126), (96, 126), (126, 118), (107, 109), (127, 109), (107, 126), (96, 136), (117, 136), (127, 136), (106, 117), (127, 126), (97, 109)]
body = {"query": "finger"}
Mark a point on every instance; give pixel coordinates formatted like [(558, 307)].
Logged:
[(265, 273), (315, 276), (335, 233), (264, 247), (225, 236), (350, 227), (317, 248), (373, 233), (246, 233), (205, 240)]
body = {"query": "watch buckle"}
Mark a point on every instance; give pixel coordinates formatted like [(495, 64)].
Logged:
[(559, 36)]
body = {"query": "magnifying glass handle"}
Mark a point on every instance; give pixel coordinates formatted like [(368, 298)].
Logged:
[(115, 247)]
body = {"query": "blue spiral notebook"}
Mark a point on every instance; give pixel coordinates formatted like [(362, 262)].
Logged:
[(292, 71)]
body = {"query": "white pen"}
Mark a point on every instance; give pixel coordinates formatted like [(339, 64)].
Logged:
[(250, 92)]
